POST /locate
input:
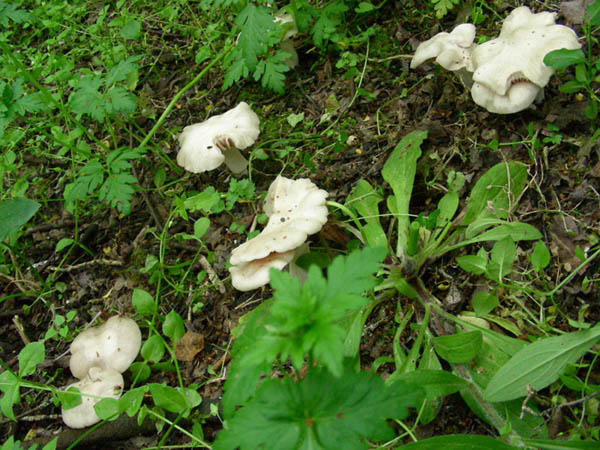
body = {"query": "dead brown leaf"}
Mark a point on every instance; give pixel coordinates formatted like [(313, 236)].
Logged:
[(189, 346)]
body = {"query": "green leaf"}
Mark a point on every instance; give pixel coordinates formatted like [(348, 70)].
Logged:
[(593, 11), (496, 191), (517, 231), (443, 6), (571, 87), (365, 200), (270, 71), (305, 319), (118, 190), (539, 364), (256, 23), (15, 213), (555, 444), (474, 264), (483, 303), (458, 442), (560, 59), (173, 326), (153, 349), (31, 355), (9, 385), (201, 227), (458, 348), (204, 201), (143, 302), (131, 401), (9, 12), (107, 409), (167, 398), (399, 171), (70, 398), (435, 383), (131, 30), (319, 412), (502, 257), (540, 256)]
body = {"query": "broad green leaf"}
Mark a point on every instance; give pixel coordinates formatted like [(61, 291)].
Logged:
[(70, 398), (502, 257), (107, 408), (539, 364), (560, 59), (365, 200), (319, 412), (201, 227), (131, 401), (517, 231), (447, 205), (31, 355), (540, 256), (496, 191), (593, 11), (14, 213), (9, 385), (459, 442), (480, 225), (435, 383), (153, 349), (458, 348), (484, 302), (143, 302), (168, 398), (474, 264), (173, 326), (131, 30), (555, 444), (399, 171)]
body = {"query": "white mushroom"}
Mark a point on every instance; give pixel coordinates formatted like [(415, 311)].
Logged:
[(206, 145), (509, 71), (296, 208), (113, 345), (97, 384), (452, 50)]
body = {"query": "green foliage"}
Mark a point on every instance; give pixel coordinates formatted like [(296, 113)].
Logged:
[(11, 444), (305, 319), (10, 13), (587, 66), (16, 102), (442, 7), (539, 364), (319, 412), (106, 96), (14, 214), (109, 179)]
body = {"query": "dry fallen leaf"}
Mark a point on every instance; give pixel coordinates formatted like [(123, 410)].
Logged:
[(189, 346)]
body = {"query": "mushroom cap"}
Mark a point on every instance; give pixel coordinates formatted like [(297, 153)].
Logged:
[(202, 143), (105, 383), (452, 50), (517, 56), (296, 208), (113, 345), (254, 274)]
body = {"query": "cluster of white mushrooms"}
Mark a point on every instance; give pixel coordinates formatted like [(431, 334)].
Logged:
[(506, 74), (99, 356), (296, 208)]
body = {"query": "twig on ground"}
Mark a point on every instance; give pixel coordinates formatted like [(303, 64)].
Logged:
[(83, 265)]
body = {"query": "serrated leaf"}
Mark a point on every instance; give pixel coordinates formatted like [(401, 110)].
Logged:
[(118, 190), (539, 364), (256, 23), (9, 12), (319, 412), (271, 72)]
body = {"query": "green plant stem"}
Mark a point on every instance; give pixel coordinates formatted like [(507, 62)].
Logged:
[(180, 94), (346, 211), (178, 428)]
